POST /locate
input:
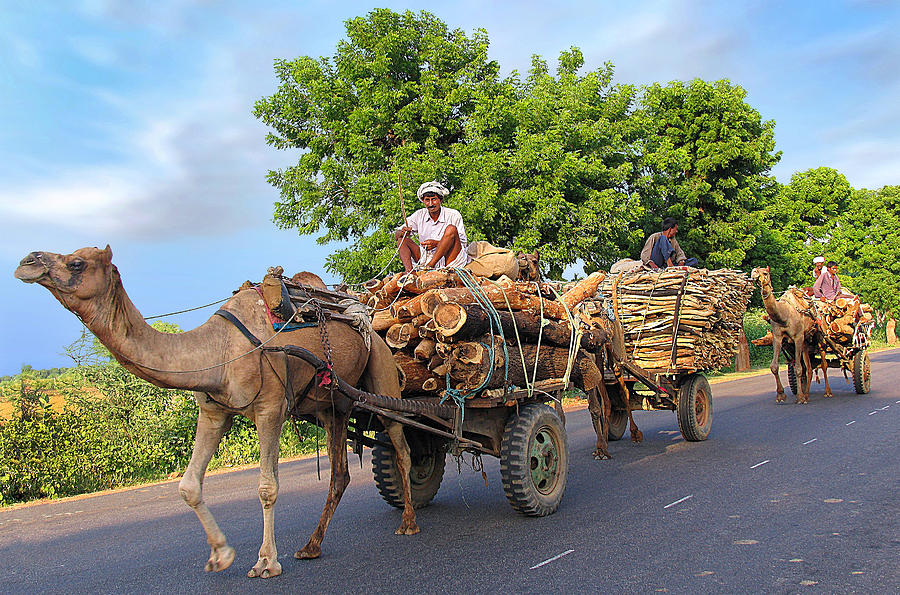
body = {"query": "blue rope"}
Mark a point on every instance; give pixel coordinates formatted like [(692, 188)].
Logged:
[(470, 283)]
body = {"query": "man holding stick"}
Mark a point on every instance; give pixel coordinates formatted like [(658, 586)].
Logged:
[(440, 229)]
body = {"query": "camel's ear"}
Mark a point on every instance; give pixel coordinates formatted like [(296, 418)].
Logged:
[(106, 254)]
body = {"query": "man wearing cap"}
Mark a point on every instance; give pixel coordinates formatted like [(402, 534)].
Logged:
[(818, 263), (828, 285), (440, 229)]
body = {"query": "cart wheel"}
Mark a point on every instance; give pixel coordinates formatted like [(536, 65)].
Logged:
[(428, 460), (862, 372), (695, 408), (618, 423), (792, 378), (534, 460)]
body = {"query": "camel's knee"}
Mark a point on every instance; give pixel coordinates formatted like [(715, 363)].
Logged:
[(191, 491), (268, 493), (774, 369)]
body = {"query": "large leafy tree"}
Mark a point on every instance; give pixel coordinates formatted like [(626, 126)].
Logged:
[(541, 163), (393, 99), (866, 244), (705, 160)]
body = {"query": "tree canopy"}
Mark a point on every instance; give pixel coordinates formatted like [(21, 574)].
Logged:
[(568, 162)]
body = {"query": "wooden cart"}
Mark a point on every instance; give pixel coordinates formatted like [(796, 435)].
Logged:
[(684, 391), (526, 431), (852, 359)]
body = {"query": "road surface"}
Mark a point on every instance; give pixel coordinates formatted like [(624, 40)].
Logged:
[(782, 498)]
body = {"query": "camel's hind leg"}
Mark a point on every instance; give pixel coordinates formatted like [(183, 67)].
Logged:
[(211, 426), (600, 409), (803, 370), (336, 429), (268, 427), (636, 435), (403, 460)]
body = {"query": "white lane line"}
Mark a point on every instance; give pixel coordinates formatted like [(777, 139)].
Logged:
[(810, 441), (554, 558), (678, 501), (873, 412), (849, 423), (760, 464), (885, 407)]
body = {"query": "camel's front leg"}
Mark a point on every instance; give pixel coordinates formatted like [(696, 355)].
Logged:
[(336, 429), (600, 410), (269, 429), (403, 460), (776, 355), (211, 426)]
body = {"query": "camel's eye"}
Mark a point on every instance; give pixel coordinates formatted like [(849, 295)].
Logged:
[(76, 266)]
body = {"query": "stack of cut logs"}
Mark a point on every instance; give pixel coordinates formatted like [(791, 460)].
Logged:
[(840, 317), (439, 331), (680, 319)]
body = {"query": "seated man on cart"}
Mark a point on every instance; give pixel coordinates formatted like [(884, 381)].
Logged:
[(828, 285), (440, 229), (661, 249)]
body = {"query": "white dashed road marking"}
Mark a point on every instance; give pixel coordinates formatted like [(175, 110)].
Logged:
[(678, 501), (849, 423), (760, 464), (873, 412), (810, 441), (554, 558)]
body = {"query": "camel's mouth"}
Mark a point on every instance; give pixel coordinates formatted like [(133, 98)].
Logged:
[(31, 269)]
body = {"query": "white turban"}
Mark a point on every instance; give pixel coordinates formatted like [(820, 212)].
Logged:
[(435, 187), (818, 259)]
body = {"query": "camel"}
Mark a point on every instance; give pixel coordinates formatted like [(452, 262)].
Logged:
[(229, 377), (790, 321)]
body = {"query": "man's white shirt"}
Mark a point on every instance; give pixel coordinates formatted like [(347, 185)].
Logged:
[(421, 223)]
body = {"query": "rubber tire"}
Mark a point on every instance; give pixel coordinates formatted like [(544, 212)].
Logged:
[(618, 423), (695, 394), (428, 462), (862, 373), (536, 424), (792, 378)]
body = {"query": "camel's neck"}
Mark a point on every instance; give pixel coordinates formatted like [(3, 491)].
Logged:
[(169, 360), (776, 310)]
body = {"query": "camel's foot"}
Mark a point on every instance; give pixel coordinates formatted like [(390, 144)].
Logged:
[(829, 395), (309, 552), (265, 568), (601, 455), (780, 398), (637, 436), (407, 528), (220, 558)]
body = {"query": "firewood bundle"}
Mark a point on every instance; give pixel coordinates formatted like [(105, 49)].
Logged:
[(680, 320), (840, 317), (472, 333)]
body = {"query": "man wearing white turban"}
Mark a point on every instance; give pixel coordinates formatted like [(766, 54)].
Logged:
[(442, 234)]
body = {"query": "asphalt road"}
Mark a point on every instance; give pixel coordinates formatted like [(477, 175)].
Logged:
[(781, 499)]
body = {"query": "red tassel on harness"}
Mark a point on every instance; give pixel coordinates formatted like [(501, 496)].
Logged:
[(325, 376)]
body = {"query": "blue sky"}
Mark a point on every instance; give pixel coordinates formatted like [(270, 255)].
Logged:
[(129, 123)]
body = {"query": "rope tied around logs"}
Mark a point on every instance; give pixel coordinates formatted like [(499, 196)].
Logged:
[(459, 397)]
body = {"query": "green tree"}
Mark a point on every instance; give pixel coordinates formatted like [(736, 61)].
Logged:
[(394, 98), (866, 244), (544, 162), (705, 160)]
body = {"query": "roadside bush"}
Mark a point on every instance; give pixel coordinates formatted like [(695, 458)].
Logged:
[(112, 430)]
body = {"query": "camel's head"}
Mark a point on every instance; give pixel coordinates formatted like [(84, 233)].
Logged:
[(80, 276), (762, 275), (529, 267)]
